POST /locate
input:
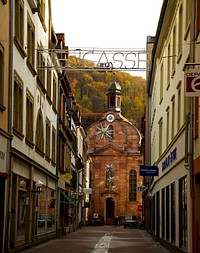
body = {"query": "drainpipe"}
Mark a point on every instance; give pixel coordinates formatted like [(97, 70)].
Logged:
[(10, 121)]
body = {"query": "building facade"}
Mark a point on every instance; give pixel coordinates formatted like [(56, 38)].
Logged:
[(169, 128), (114, 148), (196, 127), (42, 143), (33, 174), (5, 114)]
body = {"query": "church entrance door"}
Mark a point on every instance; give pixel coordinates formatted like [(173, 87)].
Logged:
[(110, 211)]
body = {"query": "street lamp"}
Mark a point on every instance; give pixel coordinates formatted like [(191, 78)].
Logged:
[(38, 186)]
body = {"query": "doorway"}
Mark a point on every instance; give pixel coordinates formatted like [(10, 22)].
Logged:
[(110, 210)]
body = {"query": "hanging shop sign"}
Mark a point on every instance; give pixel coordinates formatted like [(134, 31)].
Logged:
[(148, 170), (192, 82), (67, 176)]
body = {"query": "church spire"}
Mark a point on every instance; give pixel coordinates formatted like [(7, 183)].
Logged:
[(114, 96)]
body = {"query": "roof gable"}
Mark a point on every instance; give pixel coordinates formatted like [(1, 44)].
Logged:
[(108, 150)]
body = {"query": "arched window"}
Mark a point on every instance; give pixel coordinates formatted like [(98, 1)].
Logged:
[(39, 140), (110, 132), (110, 177), (112, 101), (132, 185)]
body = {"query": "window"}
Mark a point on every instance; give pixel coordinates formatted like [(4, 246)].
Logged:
[(163, 212), (1, 76), (198, 17), (53, 150), (196, 117), (51, 213), (110, 177), (40, 133), (180, 33), (174, 52), (61, 153), (30, 42), (167, 213), (173, 214), (19, 22), (112, 101), (48, 132), (160, 135), (110, 132), (132, 185), (161, 82), (41, 68), (187, 15), (54, 92), (168, 64), (179, 107), (48, 81), (118, 101), (41, 207), (22, 212), (173, 117), (183, 213), (68, 159), (29, 117), (42, 4), (18, 104), (167, 127)]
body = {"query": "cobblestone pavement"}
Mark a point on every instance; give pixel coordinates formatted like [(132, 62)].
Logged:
[(105, 239)]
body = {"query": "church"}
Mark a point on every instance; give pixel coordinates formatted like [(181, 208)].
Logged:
[(114, 145)]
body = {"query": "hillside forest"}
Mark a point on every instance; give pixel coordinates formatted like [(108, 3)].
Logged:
[(90, 87)]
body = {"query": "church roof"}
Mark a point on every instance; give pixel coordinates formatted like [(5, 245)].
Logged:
[(114, 87)]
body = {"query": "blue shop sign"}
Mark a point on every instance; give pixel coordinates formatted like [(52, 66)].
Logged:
[(148, 170), (169, 159)]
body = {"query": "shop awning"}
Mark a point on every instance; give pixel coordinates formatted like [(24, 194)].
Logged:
[(68, 199)]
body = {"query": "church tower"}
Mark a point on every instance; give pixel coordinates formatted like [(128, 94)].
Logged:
[(114, 146), (114, 97)]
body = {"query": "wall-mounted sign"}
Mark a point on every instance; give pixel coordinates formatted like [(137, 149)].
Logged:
[(140, 208), (141, 188), (192, 82), (169, 159), (148, 170)]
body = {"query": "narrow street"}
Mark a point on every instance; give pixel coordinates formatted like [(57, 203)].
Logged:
[(102, 240)]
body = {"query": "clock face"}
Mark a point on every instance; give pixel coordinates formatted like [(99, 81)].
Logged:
[(110, 117)]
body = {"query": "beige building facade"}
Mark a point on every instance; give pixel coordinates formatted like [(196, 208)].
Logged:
[(34, 125), (169, 128)]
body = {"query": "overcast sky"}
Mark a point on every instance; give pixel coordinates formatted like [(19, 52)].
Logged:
[(106, 23)]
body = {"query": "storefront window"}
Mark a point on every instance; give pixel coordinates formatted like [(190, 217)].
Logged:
[(22, 210), (45, 211), (51, 210), (173, 213), (183, 212), (41, 210)]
